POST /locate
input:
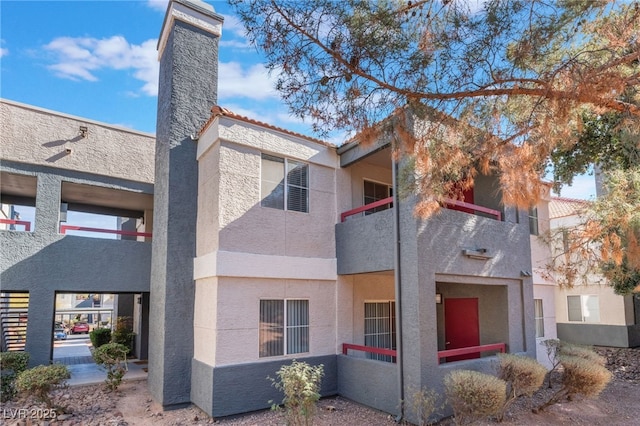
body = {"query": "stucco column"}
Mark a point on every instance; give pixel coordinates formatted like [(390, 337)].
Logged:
[(188, 52), (39, 327), (47, 215)]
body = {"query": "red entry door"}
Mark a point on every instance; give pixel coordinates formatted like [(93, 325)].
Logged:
[(467, 197), (461, 326)]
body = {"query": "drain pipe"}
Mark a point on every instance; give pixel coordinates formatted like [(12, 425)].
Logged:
[(398, 289)]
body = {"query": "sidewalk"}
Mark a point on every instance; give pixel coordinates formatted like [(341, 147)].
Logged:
[(75, 353), (85, 374)]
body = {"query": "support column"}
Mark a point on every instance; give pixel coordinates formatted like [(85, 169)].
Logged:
[(188, 52), (40, 326)]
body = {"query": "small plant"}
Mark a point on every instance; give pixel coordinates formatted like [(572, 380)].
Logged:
[(11, 364), (582, 376), (474, 395), (123, 332), (113, 356), (523, 375), (423, 404), (41, 380), (99, 337), (300, 383)]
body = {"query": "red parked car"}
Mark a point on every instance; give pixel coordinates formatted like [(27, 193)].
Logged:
[(80, 328)]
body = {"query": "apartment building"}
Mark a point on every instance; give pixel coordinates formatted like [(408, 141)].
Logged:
[(591, 313), (267, 246)]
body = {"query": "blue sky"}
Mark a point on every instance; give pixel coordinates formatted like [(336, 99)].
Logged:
[(98, 60)]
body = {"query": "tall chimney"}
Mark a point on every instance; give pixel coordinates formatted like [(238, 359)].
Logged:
[(188, 55)]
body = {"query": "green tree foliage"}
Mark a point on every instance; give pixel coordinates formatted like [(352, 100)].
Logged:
[(100, 336), (462, 90)]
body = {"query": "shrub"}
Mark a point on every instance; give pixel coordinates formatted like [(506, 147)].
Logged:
[(99, 337), (123, 332), (583, 352), (300, 383), (474, 395), (40, 380), (11, 364), (422, 403), (113, 356), (523, 375), (582, 376)]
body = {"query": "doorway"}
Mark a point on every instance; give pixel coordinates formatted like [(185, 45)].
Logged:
[(461, 326)]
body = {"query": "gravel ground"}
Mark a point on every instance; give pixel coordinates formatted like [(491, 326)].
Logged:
[(132, 405)]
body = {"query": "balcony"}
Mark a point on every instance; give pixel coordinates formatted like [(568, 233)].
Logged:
[(365, 235)]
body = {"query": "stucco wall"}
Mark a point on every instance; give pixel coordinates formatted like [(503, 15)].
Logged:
[(44, 261), (232, 306), (372, 383), (38, 136), (232, 389)]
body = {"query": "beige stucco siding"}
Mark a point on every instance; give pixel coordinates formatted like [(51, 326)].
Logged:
[(243, 225), (361, 172), (369, 288), (205, 317), (238, 317), (613, 309), (38, 136), (208, 201)]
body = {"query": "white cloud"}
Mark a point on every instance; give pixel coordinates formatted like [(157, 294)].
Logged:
[(160, 5), (80, 58), (253, 83), (3, 50)]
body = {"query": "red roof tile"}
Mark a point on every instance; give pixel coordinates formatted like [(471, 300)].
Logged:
[(561, 207)]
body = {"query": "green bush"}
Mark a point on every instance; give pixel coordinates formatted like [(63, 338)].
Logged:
[(123, 332), (113, 356), (40, 380), (300, 383), (99, 337), (474, 395), (11, 364)]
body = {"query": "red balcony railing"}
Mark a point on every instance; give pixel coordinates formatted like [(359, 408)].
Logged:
[(65, 228), (368, 349), (366, 207), (500, 347), (26, 224), (497, 347), (448, 204)]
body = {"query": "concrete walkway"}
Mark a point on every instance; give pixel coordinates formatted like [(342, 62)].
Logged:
[(75, 353), (85, 374)]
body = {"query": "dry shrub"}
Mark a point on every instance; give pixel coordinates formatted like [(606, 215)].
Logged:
[(474, 395), (523, 374), (582, 376), (424, 404), (575, 351)]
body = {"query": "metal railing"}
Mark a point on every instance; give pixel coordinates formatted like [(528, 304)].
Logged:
[(447, 203), (499, 347), (26, 224), (65, 228), (368, 349)]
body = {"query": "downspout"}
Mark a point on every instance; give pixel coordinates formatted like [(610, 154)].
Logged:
[(398, 290)]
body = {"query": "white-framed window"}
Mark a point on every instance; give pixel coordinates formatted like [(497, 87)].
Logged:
[(284, 184), (538, 314), (380, 327), (533, 221), (284, 327), (376, 191), (584, 308)]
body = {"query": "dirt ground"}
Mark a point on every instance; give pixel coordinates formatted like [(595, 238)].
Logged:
[(619, 404)]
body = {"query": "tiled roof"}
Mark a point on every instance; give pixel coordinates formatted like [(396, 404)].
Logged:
[(561, 207), (218, 111)]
